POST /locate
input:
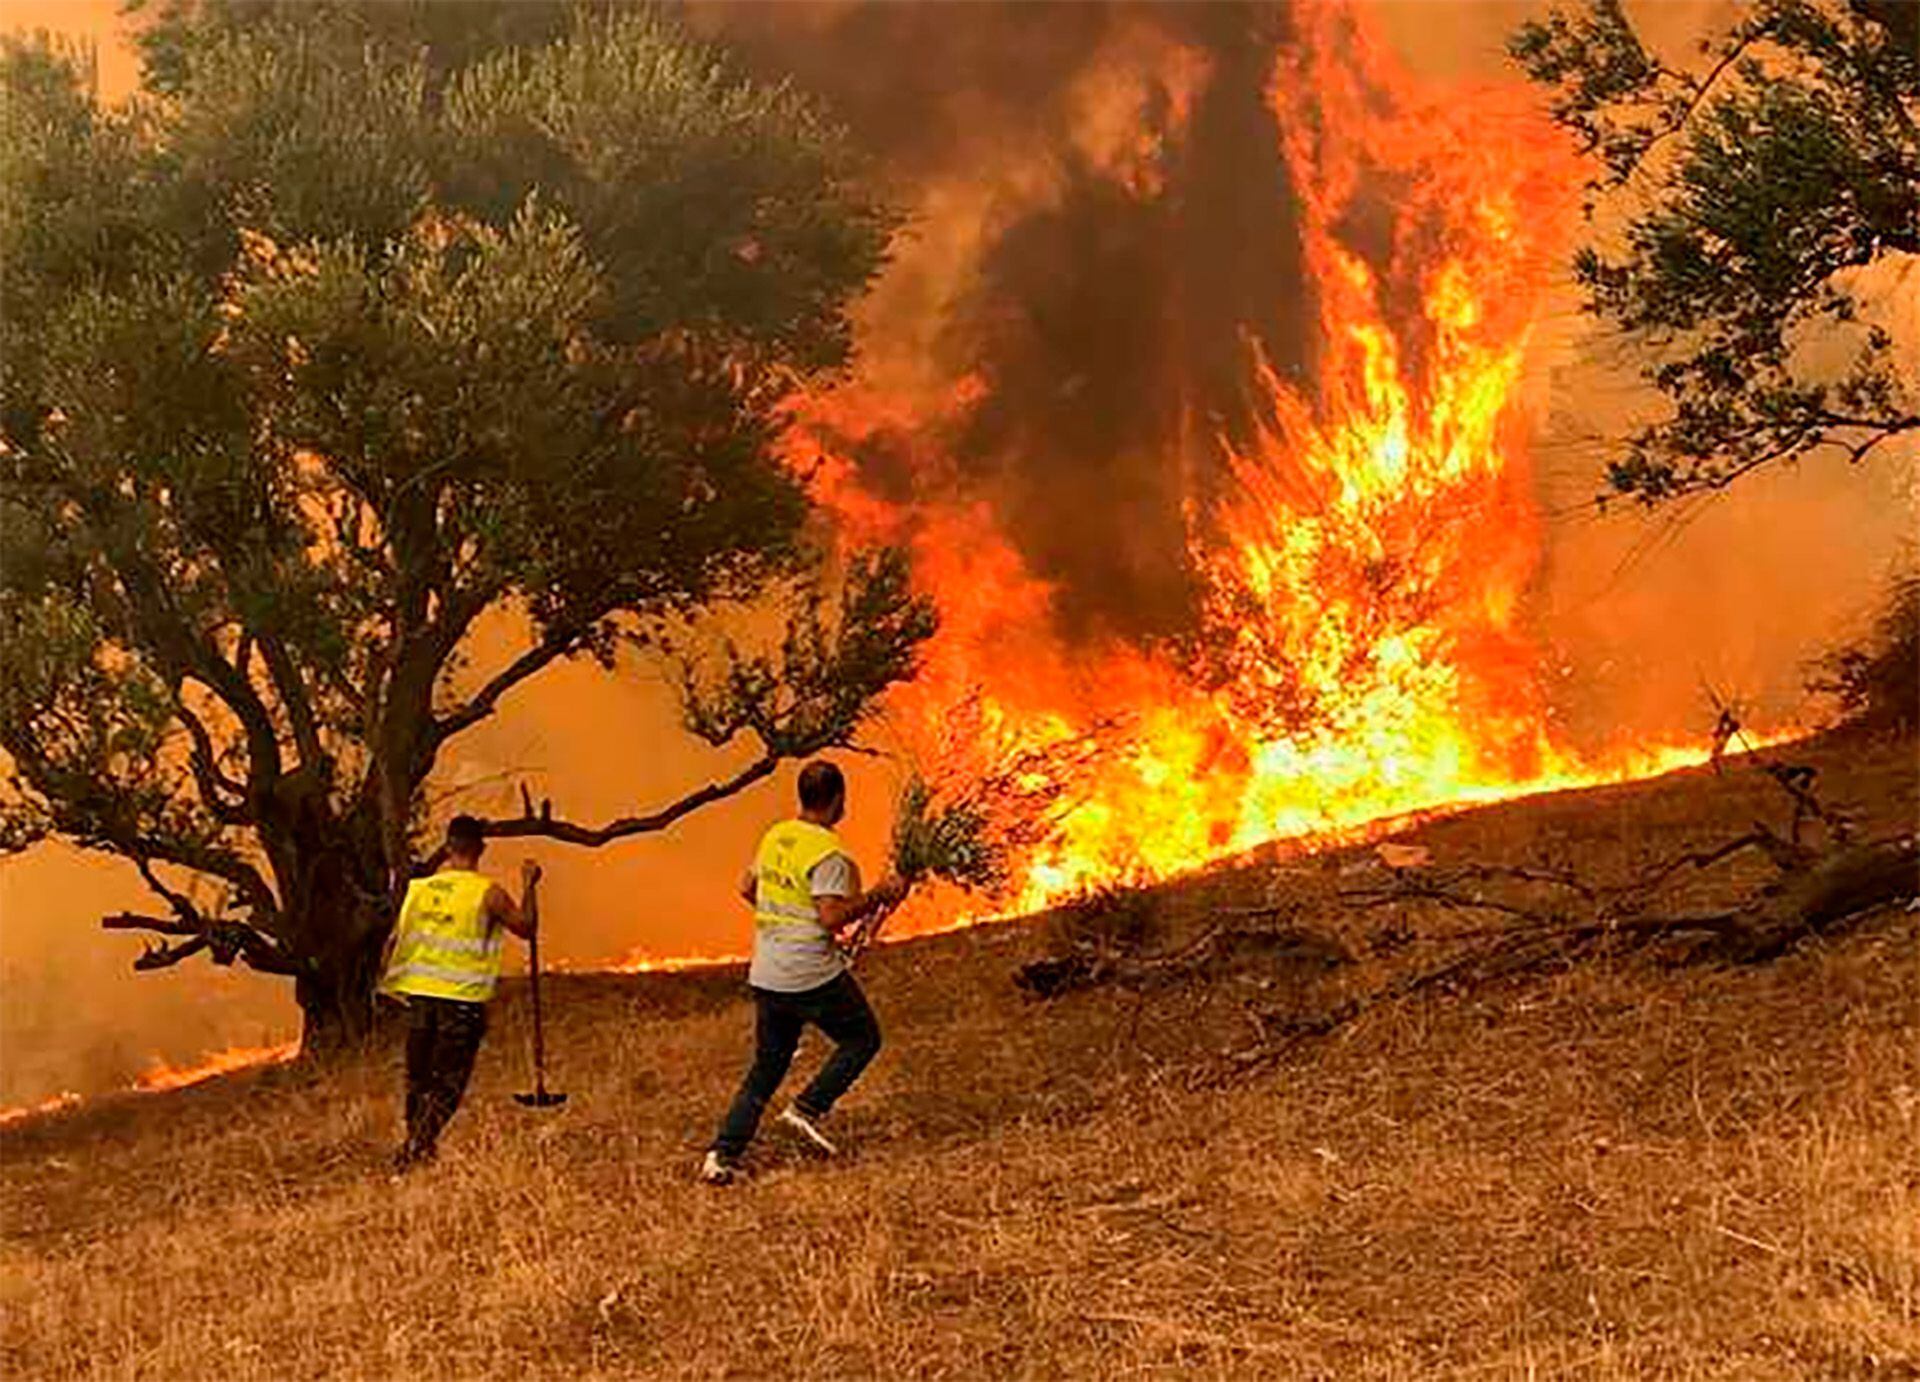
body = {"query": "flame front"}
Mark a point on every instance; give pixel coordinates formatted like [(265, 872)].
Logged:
[(160, 1076), (1363, 562)]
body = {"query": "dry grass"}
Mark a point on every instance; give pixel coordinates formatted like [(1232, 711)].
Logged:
[(1614, 1172)]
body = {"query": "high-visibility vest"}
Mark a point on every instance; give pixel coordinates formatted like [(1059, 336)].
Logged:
[(782, 897), (443, 945)]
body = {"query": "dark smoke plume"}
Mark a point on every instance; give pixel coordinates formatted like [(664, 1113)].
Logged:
[(1111, 310)]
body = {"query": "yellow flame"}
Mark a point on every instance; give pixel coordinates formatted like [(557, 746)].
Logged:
[(1364, 653)]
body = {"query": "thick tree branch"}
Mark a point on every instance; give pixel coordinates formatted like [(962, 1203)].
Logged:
[(226, 940), (138, 921), (184, 654), (165, 956), (292, 694), (482, 704), (247, 881), (221, 795), (182, 905), (544, 826)]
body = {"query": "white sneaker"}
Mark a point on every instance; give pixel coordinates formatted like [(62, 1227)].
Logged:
[(791, 1117), (716, 1170)]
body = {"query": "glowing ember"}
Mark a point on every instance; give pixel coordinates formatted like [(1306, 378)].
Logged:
[(1360, 651)]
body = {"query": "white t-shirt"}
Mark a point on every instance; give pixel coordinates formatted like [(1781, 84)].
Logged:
[(793, 959)]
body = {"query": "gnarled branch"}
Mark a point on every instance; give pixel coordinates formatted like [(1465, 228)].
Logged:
[(220, 794), (294, 699), (483, 702), (226, 939), (543, 825)]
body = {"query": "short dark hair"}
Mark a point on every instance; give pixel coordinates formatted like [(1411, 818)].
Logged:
[(821, 785), (465, 835)]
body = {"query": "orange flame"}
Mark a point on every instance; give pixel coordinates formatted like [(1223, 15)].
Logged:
[(56, 1103), (160, 1076), (1362, 652), (641, 962)]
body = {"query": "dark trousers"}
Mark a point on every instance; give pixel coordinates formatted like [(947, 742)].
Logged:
[(443, 1037), (837, 1008)]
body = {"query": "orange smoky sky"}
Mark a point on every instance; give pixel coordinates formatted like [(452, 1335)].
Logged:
[(1640, 612)]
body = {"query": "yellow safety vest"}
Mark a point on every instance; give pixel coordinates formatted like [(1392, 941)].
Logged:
[(443, 946), (782, 898)]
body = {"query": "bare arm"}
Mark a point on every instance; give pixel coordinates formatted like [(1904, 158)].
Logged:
[(523, 918), (838, 914)]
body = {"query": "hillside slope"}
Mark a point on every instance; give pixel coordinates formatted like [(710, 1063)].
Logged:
[(1623, 1169)]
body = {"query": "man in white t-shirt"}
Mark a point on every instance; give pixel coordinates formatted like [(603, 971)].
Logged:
[(805, 892)]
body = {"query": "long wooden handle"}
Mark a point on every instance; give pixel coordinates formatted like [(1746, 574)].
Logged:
[(539, 1036)]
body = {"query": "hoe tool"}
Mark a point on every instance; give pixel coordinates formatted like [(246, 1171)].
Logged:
[(541, 1097)]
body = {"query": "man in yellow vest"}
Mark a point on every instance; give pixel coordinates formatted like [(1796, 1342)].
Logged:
[(805, 892), (444, 963)]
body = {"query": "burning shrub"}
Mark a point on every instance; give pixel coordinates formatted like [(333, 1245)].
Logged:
[(974, 814), (1877, 681)]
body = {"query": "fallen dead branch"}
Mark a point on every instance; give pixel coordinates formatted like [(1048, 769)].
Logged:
[(1846, 885), (1817, 890), (1222, 948), (1539, 918)]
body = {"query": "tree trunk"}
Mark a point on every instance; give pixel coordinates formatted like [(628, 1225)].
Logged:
[(335, 993), (336, 997), (1844, 883), (338, 934)]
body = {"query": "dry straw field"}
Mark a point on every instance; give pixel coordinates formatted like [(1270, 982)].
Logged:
[(1622, 1168)]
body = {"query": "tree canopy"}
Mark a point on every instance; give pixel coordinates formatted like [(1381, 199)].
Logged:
[(334, 342), (1763, 196)]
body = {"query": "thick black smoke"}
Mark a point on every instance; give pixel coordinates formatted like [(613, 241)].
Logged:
[(1112, 320)]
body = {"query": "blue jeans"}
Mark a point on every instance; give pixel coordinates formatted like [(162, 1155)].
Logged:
[(839, 1009)]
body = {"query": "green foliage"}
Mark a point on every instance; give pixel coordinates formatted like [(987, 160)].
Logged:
[(953, 841), (446, 35), (1761, 186), (366, 323), (762, 189), (815, 691)]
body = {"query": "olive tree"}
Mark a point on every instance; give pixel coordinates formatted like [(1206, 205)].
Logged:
[(328, 348), (1753, 205)]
